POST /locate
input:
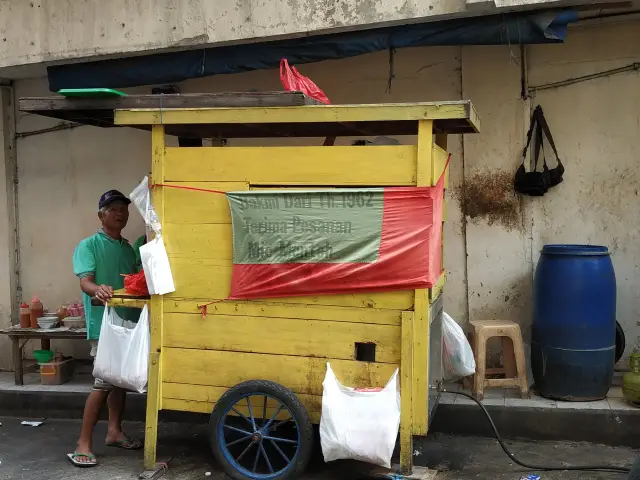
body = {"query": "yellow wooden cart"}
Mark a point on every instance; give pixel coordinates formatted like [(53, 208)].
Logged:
[(195, 360)]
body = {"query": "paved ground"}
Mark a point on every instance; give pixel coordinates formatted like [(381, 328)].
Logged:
[(39, 452)]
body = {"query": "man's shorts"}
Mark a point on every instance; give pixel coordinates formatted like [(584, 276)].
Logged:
[(99, 385)]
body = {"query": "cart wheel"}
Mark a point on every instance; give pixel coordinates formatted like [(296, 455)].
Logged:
[(260, 431)]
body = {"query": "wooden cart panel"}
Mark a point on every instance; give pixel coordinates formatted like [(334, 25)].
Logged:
[(303, 375), (278, 309), (327, 166), (202, 399), (280, 336)]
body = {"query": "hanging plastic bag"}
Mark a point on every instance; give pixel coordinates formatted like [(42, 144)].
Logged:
[(122, 358), (293, 81), (359, 425), (141, 198), (156, 267), (457, 355), (136, 284)]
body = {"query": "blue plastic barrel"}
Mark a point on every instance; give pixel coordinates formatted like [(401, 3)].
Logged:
[(574, 322)]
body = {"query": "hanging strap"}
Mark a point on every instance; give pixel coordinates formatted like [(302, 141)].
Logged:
[(540, 127), (537, 142), (542, 122), (538, 145)]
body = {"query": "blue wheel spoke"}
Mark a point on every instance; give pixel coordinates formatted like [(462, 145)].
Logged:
[(239, 440), (282, 454), (240, 414), (264, 454), (264, 411), (255, 462), (253, 419), (283, 440), (266, 427), (239, 430), (243, 452), (279, 424)]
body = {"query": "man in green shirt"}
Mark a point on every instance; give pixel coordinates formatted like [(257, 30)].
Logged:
[(99, 262)]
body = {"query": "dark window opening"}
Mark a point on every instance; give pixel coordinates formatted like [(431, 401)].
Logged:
[(366, 352)]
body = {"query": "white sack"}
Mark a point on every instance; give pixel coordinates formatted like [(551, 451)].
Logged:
[(359, 425), (457, 355), (123, 353), (157, 269)]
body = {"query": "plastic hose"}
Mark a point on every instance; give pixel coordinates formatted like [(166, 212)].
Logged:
[(600, 468)]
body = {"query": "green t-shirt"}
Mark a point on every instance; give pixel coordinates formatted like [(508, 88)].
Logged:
[(106, 259), (136, 247)]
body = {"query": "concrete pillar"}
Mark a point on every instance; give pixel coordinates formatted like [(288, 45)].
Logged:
[(8, 225)]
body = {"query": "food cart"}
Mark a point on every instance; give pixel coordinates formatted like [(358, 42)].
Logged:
[(203, 346)]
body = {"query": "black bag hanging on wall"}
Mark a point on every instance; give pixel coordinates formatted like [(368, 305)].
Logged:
[(537, 183)]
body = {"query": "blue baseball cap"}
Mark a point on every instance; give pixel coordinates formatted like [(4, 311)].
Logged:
[(112, 196)]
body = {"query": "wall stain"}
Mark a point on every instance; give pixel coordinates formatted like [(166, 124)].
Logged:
[(489, 195)]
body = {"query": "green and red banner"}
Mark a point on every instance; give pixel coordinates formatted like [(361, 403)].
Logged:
[(293, 243)]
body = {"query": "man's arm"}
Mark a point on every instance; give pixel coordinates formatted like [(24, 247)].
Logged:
[(91, 288)]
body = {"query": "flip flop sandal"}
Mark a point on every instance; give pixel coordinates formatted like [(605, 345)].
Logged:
[(126, 444), (91, 463)]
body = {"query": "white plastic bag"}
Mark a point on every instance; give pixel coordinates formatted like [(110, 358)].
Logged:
[(141, 198), (457, 355), (359, 425), (157, 269), (123, 353)]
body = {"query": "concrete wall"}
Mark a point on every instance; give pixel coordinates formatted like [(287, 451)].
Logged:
[(490, 253), (43, 31)]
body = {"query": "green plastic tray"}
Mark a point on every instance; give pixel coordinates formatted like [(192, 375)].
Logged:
[(91, 92)]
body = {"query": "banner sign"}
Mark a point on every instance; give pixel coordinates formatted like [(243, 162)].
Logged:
[(292, 243)]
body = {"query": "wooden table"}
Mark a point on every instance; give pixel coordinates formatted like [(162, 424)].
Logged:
[(45, 337)]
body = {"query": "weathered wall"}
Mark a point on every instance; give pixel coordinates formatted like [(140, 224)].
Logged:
[(491, 255), (42, 31), (597, 124)]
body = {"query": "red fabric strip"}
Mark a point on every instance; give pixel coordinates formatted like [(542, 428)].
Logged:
[(410, 255)]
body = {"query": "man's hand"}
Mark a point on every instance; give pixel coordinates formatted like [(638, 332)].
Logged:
[(104, 293)]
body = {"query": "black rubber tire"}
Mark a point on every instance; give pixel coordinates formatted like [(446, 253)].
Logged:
[(634, 474), (284, 395), (621, 341)]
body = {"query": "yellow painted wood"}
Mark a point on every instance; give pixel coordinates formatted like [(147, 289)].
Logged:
[(437, 166), (212, 241), (439, 162), (474, 119), (206, 279), (300, 374), (127, 302), (276, 309), (301, 114), (154, 394), (202, 398), (437, 288), (199, 208), (207, 407), (406, 387), (420, 394), (280, 336), (199, 278), (330, 166)]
